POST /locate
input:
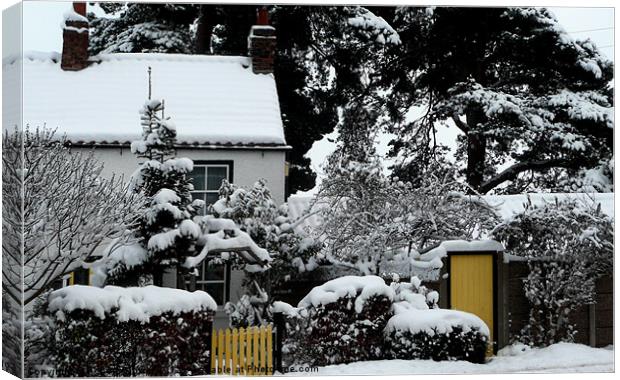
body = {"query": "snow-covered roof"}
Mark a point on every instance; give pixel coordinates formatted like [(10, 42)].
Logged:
[(213, 100)]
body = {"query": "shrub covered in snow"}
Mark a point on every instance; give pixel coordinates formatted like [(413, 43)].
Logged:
[(568, 245), (346, 317), (412, 295), (112, 331), (256, 213), (436, 334)]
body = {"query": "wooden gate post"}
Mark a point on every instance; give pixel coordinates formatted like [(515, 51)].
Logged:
[(280, 325), (209, 328)]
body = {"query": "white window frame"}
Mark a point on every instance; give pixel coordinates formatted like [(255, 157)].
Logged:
[(198, 164), (225, 281), (198, 280)]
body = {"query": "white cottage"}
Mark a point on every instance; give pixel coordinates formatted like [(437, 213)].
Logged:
[(226, 110)]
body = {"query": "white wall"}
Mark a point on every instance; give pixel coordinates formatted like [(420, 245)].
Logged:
[(248, 165)]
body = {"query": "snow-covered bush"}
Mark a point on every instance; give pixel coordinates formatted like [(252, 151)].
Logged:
[(412, 295), (271, 227), (436, 334), (122, 332), (568, 246), (38, 338), (346, 317), (256, 213), (294, 334), (249, 310)]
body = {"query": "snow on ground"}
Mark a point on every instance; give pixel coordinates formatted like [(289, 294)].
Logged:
[(558, 358)]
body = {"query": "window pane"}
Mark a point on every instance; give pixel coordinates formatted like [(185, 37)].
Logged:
[(216, 291), (198, 176), (211, 198), (213, 272), (215, 175), (80, 276)]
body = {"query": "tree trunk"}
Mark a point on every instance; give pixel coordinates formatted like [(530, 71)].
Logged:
[(158, 277), (476, 149), (204, 29)]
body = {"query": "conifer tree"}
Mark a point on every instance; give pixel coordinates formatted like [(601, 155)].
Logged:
[(524, 94), (166, 232), (140, 27)]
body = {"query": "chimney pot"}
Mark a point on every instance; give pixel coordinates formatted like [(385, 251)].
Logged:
[(80, 8), (263, 16)]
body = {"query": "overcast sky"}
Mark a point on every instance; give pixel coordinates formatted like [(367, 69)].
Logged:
[(42, 21)]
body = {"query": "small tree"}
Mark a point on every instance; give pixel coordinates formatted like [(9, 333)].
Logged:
[(58, 207), (56, 211), (369, 216), (165, 229), (568, 246)]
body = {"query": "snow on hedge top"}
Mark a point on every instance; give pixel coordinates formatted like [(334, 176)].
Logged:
[(137, 304), (348, 287), (432, 321), (215, 100)]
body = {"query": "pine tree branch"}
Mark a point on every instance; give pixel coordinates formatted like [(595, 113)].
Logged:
[(512, 172), (460, 123)]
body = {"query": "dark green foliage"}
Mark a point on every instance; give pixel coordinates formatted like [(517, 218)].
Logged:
[(336, 333), (156, 28), (84, 345), (455, 345), (514, 83)]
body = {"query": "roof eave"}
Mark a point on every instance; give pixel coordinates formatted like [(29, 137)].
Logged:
[(206, 146)]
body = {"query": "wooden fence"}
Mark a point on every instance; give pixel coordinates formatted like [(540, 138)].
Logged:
[(247, 352)]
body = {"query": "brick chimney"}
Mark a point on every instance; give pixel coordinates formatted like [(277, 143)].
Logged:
[(262, 44), (75, 39)]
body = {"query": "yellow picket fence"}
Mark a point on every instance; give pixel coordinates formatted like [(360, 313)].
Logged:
[(247, 352)]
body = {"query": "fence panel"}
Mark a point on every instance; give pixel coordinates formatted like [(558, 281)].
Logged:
[(246, 352)]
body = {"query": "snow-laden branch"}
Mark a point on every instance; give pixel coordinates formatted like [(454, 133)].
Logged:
[(68, 211), (236, 241)]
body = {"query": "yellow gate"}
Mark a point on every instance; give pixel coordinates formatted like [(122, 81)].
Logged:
[(247, 352), (471, 287)]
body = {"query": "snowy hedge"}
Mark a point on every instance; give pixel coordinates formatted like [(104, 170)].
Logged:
[(436, 334), (346, 317), (147, 331)]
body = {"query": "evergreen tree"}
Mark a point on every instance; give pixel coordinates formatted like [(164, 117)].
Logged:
[(165, 231), (523, 93), (139, 27)]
